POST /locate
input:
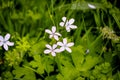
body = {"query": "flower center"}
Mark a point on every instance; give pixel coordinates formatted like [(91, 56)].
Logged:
[(67, 23), (52, 50), (4, 41), (65, 45)]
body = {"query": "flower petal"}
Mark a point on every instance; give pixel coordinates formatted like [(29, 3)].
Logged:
[(50, 36), (7, 36), (72, 26), (64, 19), (48, 31), (60, 44), (10, 43), (5, 46), (91, 6), (71, 21), (87, 51), (47, 51), (48, 46), (53, 53), (68, 28), (62, 24), (53, 29), (62, 49), (54, 46), (57, 50), (68, 49), (1, 43), (70, 44), (56, 37), (1, 38), (65, 41), (58, 34)]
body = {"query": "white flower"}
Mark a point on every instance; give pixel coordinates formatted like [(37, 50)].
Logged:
[(51, 49), (53, 33), (91, 6), (4, 41), (65, 46), (87, 51), (68, 24)]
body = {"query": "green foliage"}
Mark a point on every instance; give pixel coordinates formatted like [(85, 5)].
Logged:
[(37, 48), (96, 51), (40, 65), (37, 63), (23, 73), (102, 71), (13, 57), (7, 75), (67, 69)]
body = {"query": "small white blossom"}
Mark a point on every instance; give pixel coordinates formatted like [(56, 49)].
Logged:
[(87, 51), (91, 6), (68, 24), (65, 46), (53, 33), (4, 41), (51, 49)]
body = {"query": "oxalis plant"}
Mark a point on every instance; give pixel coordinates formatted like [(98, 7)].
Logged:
[(59, 40)]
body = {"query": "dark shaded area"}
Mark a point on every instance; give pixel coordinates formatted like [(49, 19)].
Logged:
[(115, 2)]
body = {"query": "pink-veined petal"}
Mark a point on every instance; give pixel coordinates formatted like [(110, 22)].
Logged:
[(48, 31), (71, 21), (5, 46), (53, 29), (10, 43), (64, 19), (65, 41), (72, 26), (68, 49), (56, 37), (7, 36), (1, 38), (62, 49), (1, 43), (58, 34), (62, 24), (48, 46), (47, 51), (60, 44), (70, 44), (54, 46), (53, 53)]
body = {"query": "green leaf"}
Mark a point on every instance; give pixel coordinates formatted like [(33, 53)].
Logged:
[(6, 75), (48, 64), (37, 48), (68, 73), (24, 74), (37, 64), (41, 64), (82, 62), (78, 56), (83, 5), (53, 77), (90, 62), (67, 70)]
